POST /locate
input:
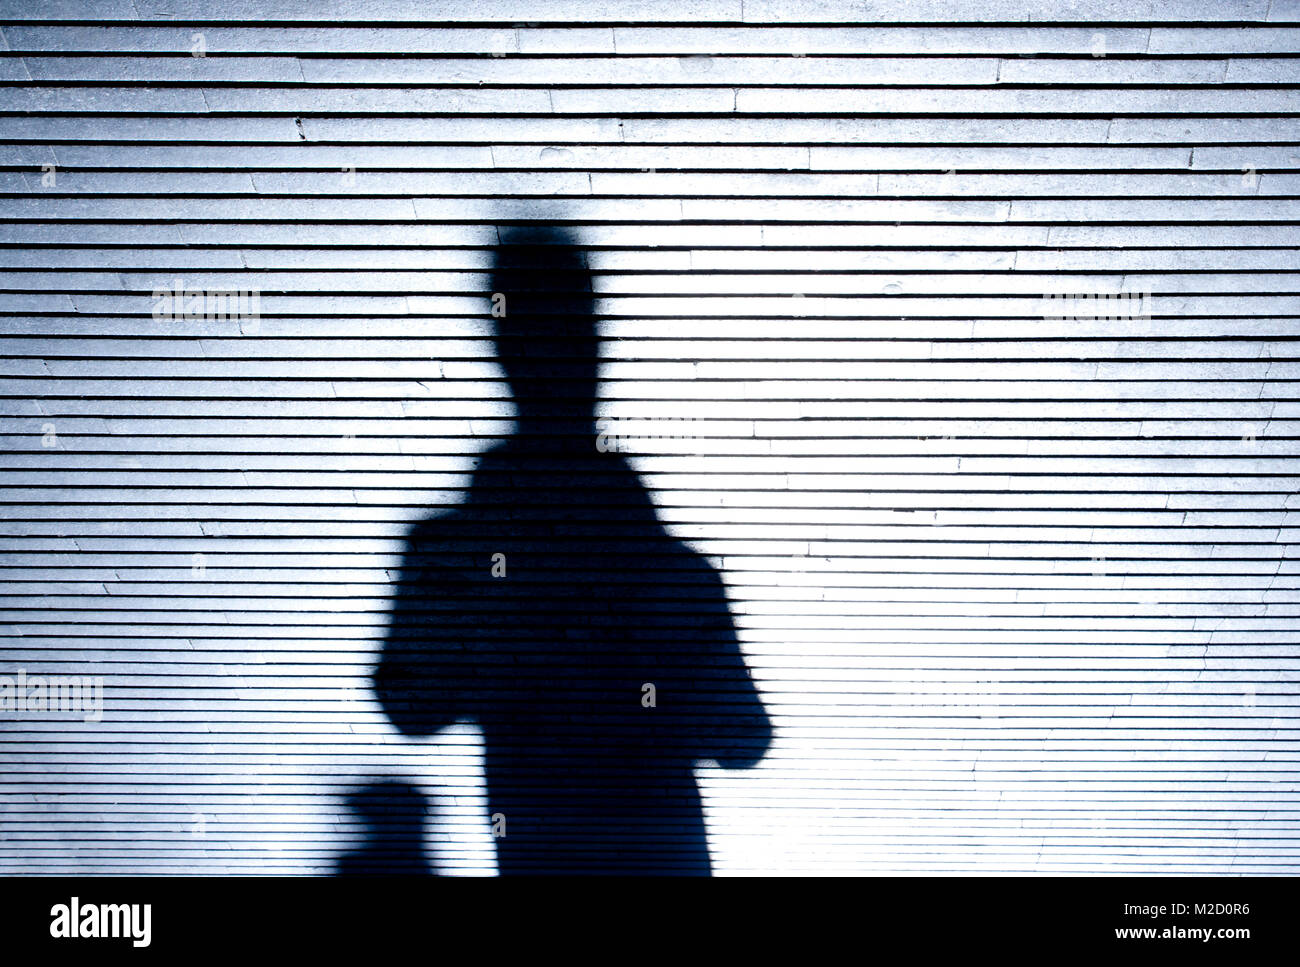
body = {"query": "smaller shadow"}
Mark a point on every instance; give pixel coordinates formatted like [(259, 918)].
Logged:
[(393, 812)]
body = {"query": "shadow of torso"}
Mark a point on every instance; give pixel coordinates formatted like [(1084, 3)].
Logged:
[(596, 652)]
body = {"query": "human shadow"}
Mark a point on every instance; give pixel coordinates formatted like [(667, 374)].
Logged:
[(393, 813), (596, 652)]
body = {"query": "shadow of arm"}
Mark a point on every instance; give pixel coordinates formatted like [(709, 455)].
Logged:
[(744, 730), (414, 678)]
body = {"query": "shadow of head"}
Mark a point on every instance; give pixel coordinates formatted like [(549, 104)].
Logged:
[(545, 324), (392, 813)]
